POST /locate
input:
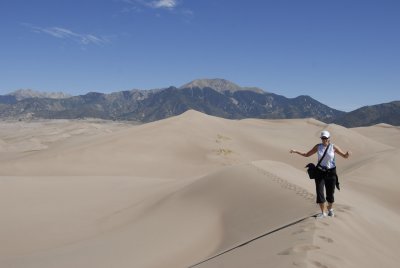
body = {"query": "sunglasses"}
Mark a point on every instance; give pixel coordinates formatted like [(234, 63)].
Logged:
[(324, 138)]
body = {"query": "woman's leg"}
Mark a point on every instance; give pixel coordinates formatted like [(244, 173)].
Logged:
[(320, 192), (322, 207), (330, 190)]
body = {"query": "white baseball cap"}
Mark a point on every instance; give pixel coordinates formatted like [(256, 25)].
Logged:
[(325, 134)]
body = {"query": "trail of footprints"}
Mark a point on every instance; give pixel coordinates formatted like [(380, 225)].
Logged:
[(305, 227), (304, 248), (289, 186)]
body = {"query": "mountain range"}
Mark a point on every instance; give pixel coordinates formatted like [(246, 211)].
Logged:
[(216, 97)]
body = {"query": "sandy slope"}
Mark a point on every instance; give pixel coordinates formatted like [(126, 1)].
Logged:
[(174, 192)]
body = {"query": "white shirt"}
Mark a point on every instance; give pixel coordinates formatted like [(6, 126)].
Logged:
[(329, 159)]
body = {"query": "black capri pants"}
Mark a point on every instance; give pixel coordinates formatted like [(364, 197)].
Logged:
[(326, 182)]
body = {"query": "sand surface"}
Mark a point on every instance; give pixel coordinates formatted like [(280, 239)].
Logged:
[(173, 193)]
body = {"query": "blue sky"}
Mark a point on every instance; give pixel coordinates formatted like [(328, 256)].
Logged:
[(344, 53)]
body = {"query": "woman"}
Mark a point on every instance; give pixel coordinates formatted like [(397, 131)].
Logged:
[(328, 181)]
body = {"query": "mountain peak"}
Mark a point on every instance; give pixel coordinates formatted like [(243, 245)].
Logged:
[(219, 85), (21, 94)]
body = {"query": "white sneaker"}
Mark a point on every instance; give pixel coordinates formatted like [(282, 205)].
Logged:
[(331, 213), (321, 215)]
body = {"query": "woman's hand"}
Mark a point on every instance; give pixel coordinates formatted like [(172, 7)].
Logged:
[(296, 152), (309, 153)]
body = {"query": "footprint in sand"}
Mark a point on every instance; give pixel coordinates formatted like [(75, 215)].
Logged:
[(326, 239), (319, 265), (299, 264), (305, 229), (298, 249)]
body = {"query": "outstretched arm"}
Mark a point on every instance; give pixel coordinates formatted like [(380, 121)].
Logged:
[(309, 153), (340, 152)]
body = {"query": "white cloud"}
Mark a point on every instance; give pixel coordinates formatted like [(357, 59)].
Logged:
[(62, 33), (156, 4), (173, 6), (170, 4)]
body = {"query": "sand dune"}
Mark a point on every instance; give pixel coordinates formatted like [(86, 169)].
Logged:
[(164, 220), (200, 143), (383, 133), (178, 191)]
